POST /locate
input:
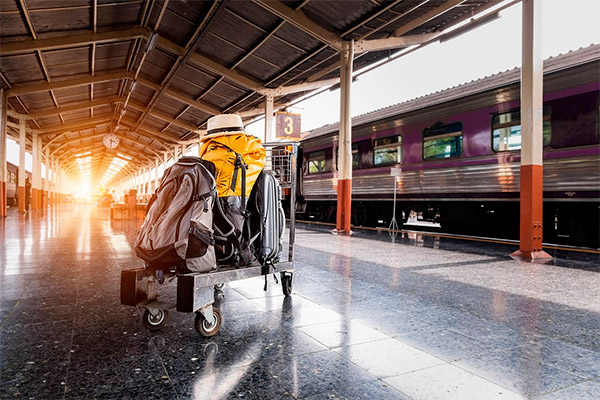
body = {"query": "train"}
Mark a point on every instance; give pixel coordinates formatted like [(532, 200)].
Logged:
[(457, 152), (13, 183)]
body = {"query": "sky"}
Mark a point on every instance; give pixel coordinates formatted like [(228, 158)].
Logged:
[(488, 49)]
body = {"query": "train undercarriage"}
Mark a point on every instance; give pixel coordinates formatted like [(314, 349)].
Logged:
[(566, 223)]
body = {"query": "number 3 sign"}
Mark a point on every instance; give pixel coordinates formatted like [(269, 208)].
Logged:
[(287, 125)]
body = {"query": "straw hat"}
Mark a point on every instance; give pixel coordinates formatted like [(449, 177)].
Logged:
[(224, 123)]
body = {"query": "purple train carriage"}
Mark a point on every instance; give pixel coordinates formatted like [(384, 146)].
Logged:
[(459, 153)]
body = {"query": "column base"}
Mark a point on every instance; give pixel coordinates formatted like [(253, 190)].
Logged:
[(3, 199), (21, 199), (531, 256), (342, 232), (344, 205)]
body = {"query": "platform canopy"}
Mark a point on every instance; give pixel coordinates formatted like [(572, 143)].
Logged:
[(152, 72)]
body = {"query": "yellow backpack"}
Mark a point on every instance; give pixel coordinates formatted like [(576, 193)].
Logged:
[(230, 152)]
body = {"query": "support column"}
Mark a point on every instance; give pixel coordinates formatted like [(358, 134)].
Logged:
[(532, 190), (156, 174), (269, 136), (40, 195), (344, 179), (35, 161), (22, 173), (46, 189), (3, 171)]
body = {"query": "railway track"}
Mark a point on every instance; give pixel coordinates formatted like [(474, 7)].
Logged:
[(433, 231)]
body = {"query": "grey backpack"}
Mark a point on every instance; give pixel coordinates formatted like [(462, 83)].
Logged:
[(178, 228)]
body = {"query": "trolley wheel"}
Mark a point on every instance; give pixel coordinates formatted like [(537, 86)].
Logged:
[(204, 328), (154, 322), (286, 283)]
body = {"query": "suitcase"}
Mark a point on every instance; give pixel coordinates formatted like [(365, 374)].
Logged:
[(267, 218)]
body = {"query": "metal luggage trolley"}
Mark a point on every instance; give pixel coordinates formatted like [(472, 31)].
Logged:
[(198, 292)]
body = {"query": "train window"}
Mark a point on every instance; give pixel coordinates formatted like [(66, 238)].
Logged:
[(506, 130), (442, 141), (387, 150), (316, 162)]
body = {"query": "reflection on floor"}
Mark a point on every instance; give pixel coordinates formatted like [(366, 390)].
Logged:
[(369, 319)]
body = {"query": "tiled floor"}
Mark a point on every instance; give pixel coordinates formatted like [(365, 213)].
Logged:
[(416, 318)]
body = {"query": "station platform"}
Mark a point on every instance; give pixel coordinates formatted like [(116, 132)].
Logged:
[(370, 318)]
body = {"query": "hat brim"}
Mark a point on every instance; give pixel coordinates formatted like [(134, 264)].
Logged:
[(225, 133)]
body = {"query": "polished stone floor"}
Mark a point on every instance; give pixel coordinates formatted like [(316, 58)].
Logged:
[(370, 318)]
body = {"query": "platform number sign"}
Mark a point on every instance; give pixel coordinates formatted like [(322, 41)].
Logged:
[(287, 125)]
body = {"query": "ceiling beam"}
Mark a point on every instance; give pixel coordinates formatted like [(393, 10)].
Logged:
[(132, 125), (97, 135), (302, 22), (394, 42), (428, 16), (73, 107), (87, 124), (65, 42), (69, 83), (166, 118), (199, 104)]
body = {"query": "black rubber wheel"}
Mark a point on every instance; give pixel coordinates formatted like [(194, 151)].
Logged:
[(286, 283), (154, 322), (204, 328)]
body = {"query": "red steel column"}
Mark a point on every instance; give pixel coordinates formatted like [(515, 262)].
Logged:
[(3, 171), (532, 89), (344, 180)]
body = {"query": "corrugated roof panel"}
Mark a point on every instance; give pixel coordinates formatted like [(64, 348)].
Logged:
[(187, 88), (139, 97), (83, 96), (159, 59), (199, 76), (278, 53), (107, 64), (337, 15), (215, 99), (166, 109), (66, 92), (110, 50), (13, 25), (154, 123), (152, 72), (49, 120), (105, 109), (66, 56), (228, 90), (175, 28), (175, 131), (69, 70), (77, 116), (298, 38), (132, 114), (220, 51), (63, 20), (257, 69), (253, 13), (37, 97), (118, 14)]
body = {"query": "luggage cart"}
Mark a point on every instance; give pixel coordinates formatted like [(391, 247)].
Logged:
[(198, 292)]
